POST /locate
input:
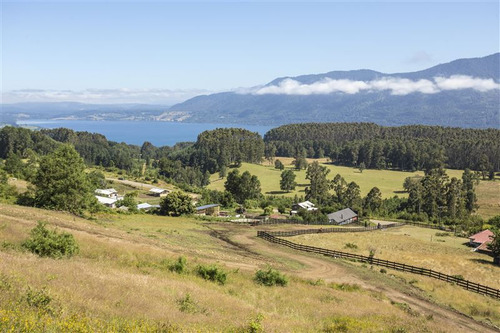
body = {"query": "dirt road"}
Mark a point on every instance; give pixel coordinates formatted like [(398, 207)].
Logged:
[(317, 267)]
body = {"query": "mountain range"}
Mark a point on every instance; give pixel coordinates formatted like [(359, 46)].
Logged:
[(463, 93)]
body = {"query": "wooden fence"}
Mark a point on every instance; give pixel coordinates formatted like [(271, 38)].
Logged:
[(330, 230), (291, 221), (472, 286)]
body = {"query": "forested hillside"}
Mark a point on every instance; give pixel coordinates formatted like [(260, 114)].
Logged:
[(414, 147)]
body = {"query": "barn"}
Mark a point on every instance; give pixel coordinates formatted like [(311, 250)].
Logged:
[(344, 216), (212, 210)]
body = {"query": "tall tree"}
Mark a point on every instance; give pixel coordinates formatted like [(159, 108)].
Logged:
[(242, 187), (287, 182), (320, 186), (176, 204), (61, 182), (339, 186), (353, 196), (373, 200)]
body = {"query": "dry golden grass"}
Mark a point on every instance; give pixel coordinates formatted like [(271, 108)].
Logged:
[(415, 246), (121, 274)]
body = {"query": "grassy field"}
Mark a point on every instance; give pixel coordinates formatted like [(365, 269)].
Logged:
[(416, 246), (389, 182), (120, 281)]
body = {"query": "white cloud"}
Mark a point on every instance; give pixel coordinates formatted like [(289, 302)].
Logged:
[(456, 82), (396, 86), (102, 96)]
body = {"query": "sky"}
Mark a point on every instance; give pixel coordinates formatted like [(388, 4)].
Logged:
[(166, 52)]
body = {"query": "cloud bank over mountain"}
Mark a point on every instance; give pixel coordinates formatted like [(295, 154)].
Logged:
[(396, 86)]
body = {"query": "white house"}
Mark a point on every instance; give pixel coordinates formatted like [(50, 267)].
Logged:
[(108, 202), (109, 192)]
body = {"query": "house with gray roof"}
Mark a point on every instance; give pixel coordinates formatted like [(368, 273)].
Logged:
[(344, 216)]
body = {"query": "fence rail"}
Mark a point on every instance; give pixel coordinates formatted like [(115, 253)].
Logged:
[(468, 285), (291, 221), (330, 230)]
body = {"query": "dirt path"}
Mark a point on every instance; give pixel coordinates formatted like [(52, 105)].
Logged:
[(316, 267)]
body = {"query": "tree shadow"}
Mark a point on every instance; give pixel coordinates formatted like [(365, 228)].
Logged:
[(483, 261), (276, 192), (399, 192), (302, 185)]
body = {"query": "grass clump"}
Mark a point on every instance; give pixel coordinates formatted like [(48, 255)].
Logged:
[(350, 246), (212, 273), (50, 243), (270, 277), (180, 266), (345, 287)]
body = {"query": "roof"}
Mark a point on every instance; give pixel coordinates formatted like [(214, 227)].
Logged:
[(108, 191), (484, 247), (342, 215), (106, 201), (146, 206), (306, 204), (482, 237), (157, 190), (207, 206)]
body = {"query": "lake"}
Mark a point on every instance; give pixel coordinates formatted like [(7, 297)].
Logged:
[(159, 133)]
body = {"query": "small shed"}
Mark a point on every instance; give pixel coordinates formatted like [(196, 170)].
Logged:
[(146, 206), (480, 238), (344, 216), (212, 210), (158, 192)]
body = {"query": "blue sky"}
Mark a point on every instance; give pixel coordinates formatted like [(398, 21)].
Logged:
[(184, 49)]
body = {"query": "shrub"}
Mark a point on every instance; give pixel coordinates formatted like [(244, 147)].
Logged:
[(50, 243), (179, 266), (212, 273), (270, 277), (350, 246), (189, 305), (345, 287)]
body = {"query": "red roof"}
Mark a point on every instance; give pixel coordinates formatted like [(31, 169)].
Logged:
[(484, 247), (482, 237)]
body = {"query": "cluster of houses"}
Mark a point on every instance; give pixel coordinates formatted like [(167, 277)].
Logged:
[(344, 216), (109, 197)]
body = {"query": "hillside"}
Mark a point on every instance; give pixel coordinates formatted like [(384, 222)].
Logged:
[(120, 280), (390, 101)]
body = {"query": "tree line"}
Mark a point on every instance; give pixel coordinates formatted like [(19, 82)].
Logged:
[(415, 147)]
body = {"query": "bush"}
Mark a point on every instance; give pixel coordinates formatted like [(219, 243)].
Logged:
[(270, 277), (350, 246), (212, 273), (50, 243), (179, 266)]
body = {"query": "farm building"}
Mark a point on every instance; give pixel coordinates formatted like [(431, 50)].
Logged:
[(108, 193), (344, 216), (480, 241), (108, 202), (212, 210), (307, 205), (146, 206), (158, 192)]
